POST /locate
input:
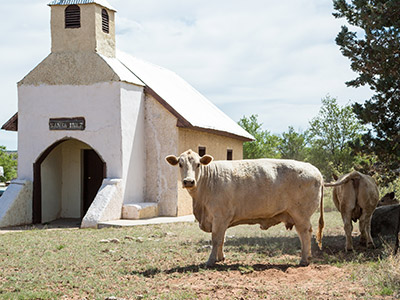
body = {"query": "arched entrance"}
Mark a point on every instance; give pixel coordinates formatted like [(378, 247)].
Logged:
[(66, 179)]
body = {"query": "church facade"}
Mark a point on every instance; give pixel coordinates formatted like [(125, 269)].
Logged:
[(95, 124)]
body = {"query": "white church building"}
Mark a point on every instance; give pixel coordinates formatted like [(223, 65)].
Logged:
[(95, 124)]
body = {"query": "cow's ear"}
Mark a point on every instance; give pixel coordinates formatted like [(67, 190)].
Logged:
[(206, 159), (172, 160)]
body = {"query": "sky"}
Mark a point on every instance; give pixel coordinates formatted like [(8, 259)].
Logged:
[(275, 59)]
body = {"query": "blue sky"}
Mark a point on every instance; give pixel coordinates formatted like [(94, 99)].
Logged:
[(276, 59)]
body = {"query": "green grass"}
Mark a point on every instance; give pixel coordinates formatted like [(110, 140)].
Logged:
[(153, 262)]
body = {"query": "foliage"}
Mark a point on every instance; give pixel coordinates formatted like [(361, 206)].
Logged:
[(326, 143), (293, 145), (9, 164), (374, 53), (329, 135), (265, 143), (393, 186)]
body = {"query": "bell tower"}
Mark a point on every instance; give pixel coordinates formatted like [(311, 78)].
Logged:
[(82, 26)]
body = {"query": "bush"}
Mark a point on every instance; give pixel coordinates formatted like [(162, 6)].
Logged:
[(9, 163)]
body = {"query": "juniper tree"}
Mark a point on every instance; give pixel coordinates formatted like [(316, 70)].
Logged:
[(374, 51)]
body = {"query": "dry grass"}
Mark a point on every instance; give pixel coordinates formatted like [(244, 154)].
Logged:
[(167, 262)]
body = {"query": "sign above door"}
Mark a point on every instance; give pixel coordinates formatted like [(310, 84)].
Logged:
[(77, 123)]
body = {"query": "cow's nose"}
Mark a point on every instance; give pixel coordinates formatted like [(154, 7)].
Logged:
[(188, 182)]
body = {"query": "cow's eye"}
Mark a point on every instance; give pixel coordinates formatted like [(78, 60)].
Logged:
[(180, 165), (198, 165)]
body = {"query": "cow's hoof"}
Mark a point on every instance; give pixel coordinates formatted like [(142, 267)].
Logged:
[(210, 263), (370, 246), (349, 249), (304, 263)]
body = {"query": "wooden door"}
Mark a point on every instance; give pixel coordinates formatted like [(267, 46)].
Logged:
[(93, 174)]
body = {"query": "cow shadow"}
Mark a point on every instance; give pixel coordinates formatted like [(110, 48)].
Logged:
[(332, 252), (220, 267), (333, 248)]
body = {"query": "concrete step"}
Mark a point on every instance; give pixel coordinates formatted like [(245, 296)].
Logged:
[(151, 221), (137, 211)]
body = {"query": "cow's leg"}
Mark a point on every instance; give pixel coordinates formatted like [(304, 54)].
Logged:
[(304, 230), (348, 229), (217, 240), (365, 229)]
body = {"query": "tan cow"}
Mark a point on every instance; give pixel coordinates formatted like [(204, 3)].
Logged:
[(261, 191), (356, 195)]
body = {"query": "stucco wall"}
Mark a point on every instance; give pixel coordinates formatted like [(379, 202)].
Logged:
[(133, 143), (16, 208), (89, 37), (107, 204), (161, 140), (70, 68), (99, 104), (51, 172), (105, 42)]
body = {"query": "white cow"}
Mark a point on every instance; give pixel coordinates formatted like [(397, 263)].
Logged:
[(356, 195), (261, 191)]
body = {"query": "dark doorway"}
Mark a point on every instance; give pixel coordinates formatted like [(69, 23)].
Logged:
[(90, 166), (93, 174)]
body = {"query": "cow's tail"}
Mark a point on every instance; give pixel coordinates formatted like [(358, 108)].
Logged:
[(353, 175), (321, 219)]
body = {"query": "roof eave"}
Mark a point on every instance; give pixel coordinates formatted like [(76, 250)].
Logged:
[(11, 124), (223, 133)]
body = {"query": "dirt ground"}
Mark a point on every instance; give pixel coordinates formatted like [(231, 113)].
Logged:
[(271, 281), (274, 282), (331, 275), (338, 279)]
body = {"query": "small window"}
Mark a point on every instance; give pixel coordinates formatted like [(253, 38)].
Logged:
[(229, 154), (202, 151), (72, 16), (105, 21)]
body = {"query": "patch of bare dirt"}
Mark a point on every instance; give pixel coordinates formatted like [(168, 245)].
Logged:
[(273, 282)]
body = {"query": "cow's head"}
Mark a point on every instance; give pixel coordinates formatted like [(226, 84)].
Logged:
[(189, 164), (388, 199)]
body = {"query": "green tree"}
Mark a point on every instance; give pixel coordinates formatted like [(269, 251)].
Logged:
[(293, 145), (9, 164), (265, 143), (374, 52), (330, 133)]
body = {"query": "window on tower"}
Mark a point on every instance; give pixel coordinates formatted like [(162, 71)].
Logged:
[(105, 21), (72, 16)]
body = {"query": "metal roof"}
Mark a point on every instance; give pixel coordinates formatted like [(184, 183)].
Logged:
[(123, 72), (103, 3), (188, 104)]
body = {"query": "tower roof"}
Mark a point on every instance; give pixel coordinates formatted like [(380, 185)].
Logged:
[(103, 3)]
